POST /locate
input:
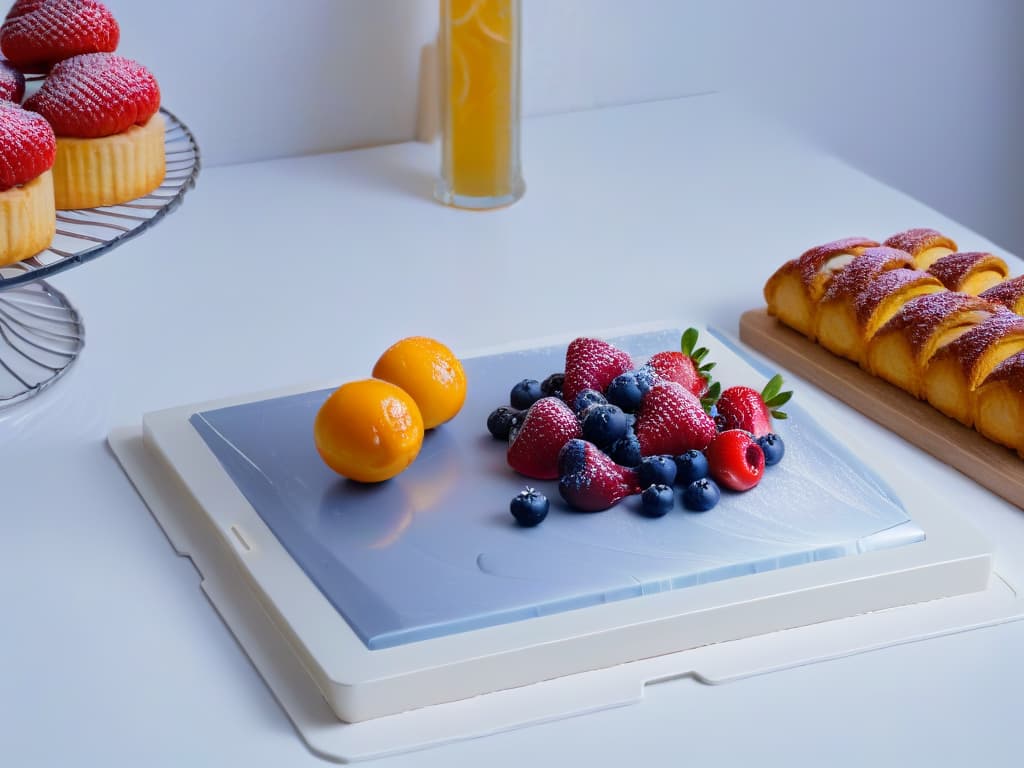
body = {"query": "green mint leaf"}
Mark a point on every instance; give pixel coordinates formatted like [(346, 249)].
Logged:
[(780, 399), (780, 415)]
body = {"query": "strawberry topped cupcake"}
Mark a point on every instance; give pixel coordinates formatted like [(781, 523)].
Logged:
[(38, 33), (27, 217), (110, 135)]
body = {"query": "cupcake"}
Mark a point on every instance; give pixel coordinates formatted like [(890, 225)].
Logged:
[(27, 217), (38, 33), (110, 136)]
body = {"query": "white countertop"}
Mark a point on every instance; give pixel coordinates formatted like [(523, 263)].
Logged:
[(304, 269)]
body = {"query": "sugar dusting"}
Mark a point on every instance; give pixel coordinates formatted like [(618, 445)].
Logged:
[(969, 348), (913, 241), (1011, 370), (954, 269), (885, 285), (95, 95), (812, 260), (12, 83), (860, 272), (27, 145), (1006, 293), (922, 316), (40, 32)]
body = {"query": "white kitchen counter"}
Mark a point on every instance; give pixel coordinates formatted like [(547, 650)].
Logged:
[(305, 269)]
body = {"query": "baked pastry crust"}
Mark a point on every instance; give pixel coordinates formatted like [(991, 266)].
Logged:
[(926, 246), (970, 272), (793, 292), (999, 404), (110, 170), (903, 347), (27, 219), (1009, 293), (958, 369)]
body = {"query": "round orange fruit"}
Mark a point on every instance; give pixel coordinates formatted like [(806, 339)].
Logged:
[(427, 370), (368, 430)]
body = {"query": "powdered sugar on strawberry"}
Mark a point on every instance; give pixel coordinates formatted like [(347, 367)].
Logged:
[(95, 95), (680, 368), (672, 421), (39, 33), (548, 425), (27, 146), (590, 481), (592, 364), (12, 83)]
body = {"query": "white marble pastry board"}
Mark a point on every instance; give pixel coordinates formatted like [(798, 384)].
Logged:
[(231, 590)]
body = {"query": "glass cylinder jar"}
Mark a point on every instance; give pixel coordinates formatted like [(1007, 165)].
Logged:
[(480, 96)]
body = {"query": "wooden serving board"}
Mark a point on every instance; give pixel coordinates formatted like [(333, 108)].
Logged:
[(991, 465)]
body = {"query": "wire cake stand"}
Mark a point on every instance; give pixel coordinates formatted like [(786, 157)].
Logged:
[(41, 333)]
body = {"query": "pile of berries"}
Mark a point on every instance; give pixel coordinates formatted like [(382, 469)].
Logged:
[(607, 429)]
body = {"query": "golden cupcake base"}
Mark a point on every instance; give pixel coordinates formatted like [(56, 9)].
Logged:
[(27, 219), (110, 170)]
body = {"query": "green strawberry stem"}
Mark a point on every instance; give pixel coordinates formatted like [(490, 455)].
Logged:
[(711, 396), (774, 398), (688, 346)]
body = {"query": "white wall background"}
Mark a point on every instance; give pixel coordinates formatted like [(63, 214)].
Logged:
[(927, 95)]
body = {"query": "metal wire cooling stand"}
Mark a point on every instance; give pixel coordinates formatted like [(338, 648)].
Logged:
[(41, 333)]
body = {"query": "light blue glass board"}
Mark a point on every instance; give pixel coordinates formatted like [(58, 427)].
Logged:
[(435, 551)]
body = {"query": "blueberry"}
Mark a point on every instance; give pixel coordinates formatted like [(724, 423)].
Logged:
[(501, 421), (626, 450), (552, 385), (604, 424), (701, 495), (624, 391), (572, 458), (529, 507), (657, 500), (525, 393), (656, 470), (587, 398), (646, 377), (773, 448), (690, 466)]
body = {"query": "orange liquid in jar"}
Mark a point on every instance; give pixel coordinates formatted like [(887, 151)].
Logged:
[(481, 99)]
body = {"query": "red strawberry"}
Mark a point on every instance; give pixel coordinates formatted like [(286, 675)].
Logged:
[(748, 409), (97, 94), (547, 426), (687, 367), (671, 421), (680, 368), (736, 462), (27, 146), (38, 33), (590, 481), (12, 83), (592, 364)]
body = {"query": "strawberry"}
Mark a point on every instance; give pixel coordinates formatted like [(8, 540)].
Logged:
[(96, 94), (547, 426), (38, 33), (590, 481), (592, 364), (686, 367), (27, 146), (671, 421), (12, 83), (748, 409), (736, 461)]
